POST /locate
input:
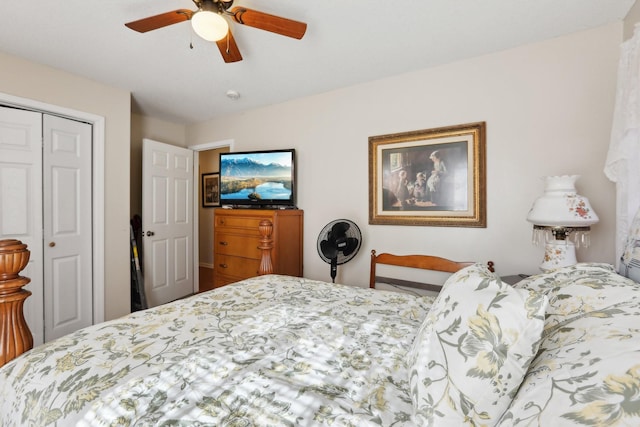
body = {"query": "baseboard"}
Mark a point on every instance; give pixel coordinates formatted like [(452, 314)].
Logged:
[(205, 265)]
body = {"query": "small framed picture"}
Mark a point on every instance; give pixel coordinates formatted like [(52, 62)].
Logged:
[(433, 177), (210, 190)]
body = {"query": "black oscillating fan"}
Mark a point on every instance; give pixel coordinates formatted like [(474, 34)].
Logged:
[(338, 242)]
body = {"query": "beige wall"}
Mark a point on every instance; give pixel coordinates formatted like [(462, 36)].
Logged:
[(208, 163), (548, 108), (175, 134), (36, 82), (633, 17), (150, 128)]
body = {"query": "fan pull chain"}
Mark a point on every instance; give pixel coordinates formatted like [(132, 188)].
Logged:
[(228, 51)]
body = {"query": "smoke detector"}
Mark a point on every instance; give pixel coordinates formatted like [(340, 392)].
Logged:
[(233, 94)]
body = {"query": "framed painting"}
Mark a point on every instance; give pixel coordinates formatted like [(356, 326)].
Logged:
[(210, 190), (433, 177)]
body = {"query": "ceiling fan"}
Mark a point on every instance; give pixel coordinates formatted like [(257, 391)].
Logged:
[(210, 23)]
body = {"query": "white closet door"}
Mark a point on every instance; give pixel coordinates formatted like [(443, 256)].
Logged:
[(21, 200), (68, 293)]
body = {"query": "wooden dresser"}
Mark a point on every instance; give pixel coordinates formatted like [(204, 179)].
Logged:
[(236, 255)]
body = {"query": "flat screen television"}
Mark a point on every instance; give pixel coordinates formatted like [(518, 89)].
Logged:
[(262, 179)]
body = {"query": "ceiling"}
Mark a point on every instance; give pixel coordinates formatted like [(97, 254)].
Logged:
[(347, 42)]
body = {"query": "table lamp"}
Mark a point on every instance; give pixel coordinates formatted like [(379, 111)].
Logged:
[(562, 220)]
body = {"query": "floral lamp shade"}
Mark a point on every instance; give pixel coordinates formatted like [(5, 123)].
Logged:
[(561, 219)]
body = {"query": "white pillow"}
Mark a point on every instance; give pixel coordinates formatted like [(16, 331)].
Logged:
[(473, 349)]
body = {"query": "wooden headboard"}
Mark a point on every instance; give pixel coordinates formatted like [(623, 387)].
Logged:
[(424, 262)]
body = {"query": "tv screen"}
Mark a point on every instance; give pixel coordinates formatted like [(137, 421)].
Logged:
[(258, 178)]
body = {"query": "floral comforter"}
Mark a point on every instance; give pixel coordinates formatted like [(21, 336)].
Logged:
[(273, 350), (286, 351)]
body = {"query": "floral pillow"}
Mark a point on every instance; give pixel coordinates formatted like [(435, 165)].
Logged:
[(581, 289), (587, 370), (473, 349)]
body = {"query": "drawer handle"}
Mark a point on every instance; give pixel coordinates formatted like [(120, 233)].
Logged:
[(224, 243), (223, 265)]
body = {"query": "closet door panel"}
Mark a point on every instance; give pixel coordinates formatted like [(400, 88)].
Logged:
[(21, 200), (68, 272)]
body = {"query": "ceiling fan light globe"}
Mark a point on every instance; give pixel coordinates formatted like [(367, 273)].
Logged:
[(209, 25)]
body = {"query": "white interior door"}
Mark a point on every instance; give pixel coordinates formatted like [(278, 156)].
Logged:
[(21, 201), (68, 255), (167, 222)]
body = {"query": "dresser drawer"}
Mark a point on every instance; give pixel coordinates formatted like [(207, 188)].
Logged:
[(242, 268), (246, 225), (237, 245)]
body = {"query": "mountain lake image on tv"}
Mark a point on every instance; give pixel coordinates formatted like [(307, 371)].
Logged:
[(258, 178)]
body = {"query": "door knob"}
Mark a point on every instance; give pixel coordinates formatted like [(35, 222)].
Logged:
[(52, 244), (150, 233)]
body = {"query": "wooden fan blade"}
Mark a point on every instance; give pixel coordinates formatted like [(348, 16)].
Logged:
[(229, 49), (159, 21), (272, 23)]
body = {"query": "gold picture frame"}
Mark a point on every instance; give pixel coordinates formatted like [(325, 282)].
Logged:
[(431, 177)]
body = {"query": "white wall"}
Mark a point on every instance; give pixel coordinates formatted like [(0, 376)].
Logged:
[(548, 109), (24, 79)]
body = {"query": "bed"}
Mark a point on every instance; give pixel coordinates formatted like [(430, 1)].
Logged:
[(560, 348)]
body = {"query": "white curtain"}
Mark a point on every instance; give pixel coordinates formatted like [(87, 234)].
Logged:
[(623, 159)]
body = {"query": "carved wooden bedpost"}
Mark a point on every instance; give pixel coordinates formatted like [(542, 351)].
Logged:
[(15, 336), (266, 244)]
